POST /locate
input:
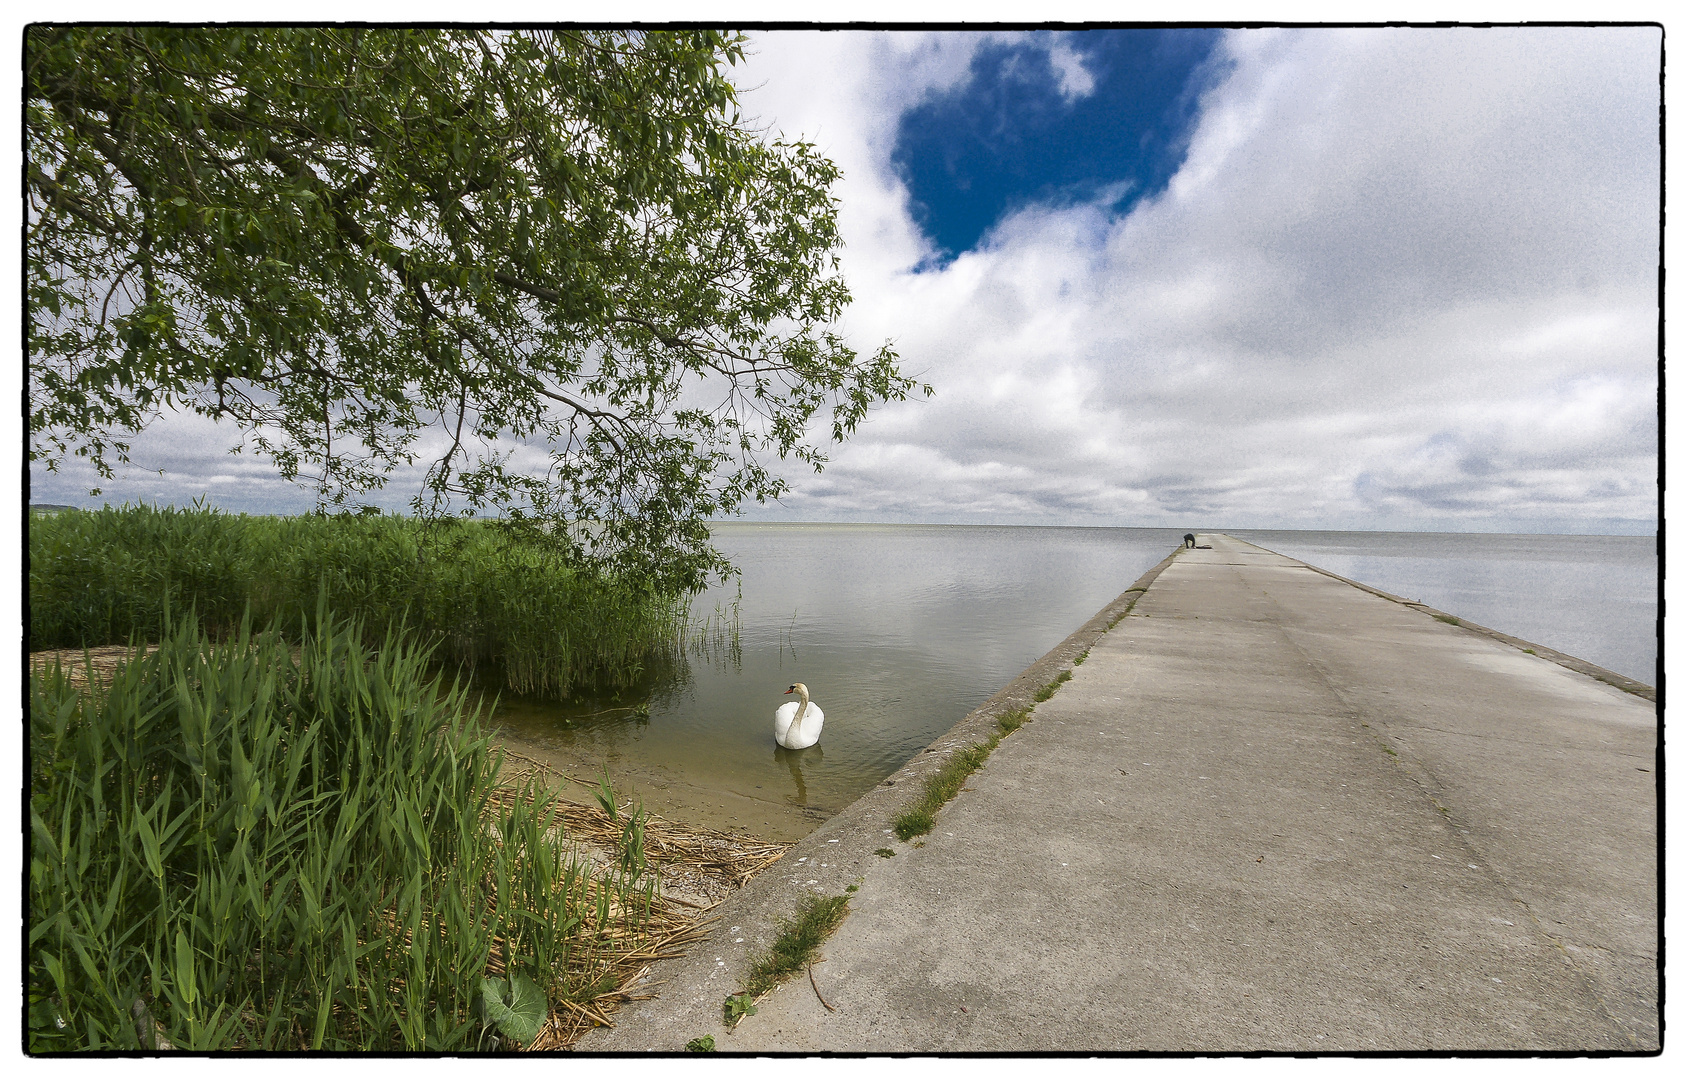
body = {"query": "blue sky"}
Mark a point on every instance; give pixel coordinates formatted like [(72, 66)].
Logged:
[(1397, 279), (1106, 114)]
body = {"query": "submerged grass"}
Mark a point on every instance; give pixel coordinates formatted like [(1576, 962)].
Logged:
[(236, 847), (505, 605)]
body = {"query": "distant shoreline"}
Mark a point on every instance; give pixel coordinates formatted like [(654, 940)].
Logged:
[(744, 522)]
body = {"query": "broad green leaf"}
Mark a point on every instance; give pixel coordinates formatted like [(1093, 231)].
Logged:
[(523, 1014)]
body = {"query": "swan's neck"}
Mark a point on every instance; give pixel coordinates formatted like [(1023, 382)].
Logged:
[(796, 721)]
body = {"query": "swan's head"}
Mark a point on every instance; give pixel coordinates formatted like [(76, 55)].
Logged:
[(798, 688)]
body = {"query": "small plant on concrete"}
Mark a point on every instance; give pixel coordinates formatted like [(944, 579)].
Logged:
[(703, 1044), (1048, 691), (1080, 658), (796, 944), (1448, 619), (737, 1007), (948, 781), (944, 785), (1011, 722), (885, 853), (1120, 616)]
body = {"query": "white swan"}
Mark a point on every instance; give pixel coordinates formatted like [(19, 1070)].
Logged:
[(795, 725)]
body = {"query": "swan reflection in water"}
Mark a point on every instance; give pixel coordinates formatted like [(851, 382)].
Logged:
[(796, 760)]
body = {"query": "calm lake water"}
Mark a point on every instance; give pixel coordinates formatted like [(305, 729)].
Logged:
[(900, 630), (1595, 597)]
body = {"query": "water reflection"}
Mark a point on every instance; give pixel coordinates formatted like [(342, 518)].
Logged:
[(898, 630), (794, 760)]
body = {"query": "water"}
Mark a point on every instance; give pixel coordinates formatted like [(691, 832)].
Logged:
[(900, 630), (1594, 597)]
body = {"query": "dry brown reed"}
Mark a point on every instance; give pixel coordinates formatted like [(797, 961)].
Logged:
[(618, 960)]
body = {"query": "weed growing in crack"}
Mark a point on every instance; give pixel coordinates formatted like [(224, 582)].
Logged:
[(949, 780), (798, 941)]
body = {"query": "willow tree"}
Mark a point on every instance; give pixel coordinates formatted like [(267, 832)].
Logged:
[(554, 275)]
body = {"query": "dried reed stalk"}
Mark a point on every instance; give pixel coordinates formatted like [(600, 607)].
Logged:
[(618, 957), (731, 857)]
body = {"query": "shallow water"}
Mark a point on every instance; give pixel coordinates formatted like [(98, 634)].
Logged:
[(900, 630)]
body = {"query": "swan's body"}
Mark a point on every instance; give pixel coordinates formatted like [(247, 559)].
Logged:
[(797, 724)]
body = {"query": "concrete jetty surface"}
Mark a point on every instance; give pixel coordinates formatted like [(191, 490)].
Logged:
[(1270, 812)]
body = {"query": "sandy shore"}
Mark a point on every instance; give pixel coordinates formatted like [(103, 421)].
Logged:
[(671, 797)]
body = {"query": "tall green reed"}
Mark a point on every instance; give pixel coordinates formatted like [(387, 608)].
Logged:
[(511, 608), (234, 848)]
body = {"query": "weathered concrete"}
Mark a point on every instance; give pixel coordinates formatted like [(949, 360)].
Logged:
[(1270, 812)]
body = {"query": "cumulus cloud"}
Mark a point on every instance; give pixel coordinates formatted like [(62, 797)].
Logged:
[(1404, 279)]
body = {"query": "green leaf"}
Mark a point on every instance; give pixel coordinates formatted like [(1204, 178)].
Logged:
[(520, 1016), (186, 985), (393, 229)]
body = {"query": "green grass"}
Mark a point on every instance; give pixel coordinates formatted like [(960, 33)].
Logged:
[(1010, 722), (267, 853), (512, 608), (1448, 619), (1048, 691), (947, 782), (799, 939)]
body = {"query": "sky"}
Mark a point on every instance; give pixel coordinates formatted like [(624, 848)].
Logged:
[(1399, 279)]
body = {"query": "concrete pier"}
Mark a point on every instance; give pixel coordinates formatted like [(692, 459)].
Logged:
[(1270, 812)]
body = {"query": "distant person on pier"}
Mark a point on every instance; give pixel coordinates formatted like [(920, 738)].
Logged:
[(1188, 540)]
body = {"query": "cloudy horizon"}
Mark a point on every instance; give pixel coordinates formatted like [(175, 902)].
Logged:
[(1342, 279)]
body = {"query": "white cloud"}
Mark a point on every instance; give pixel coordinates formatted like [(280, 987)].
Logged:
[(1074, 78), (1405, 279)]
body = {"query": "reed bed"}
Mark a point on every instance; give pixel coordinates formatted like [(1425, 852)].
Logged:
[(236, 847), (508, 606)]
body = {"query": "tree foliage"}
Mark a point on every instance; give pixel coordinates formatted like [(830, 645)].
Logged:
[(554, 274)]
